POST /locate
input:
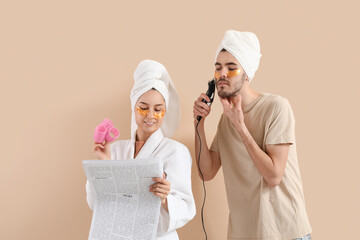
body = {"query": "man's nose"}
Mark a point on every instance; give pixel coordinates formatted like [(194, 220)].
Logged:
[(223, 73)]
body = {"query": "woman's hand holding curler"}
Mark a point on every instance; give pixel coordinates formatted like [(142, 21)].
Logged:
[(102, 151)]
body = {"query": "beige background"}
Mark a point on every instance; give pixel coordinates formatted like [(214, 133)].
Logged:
[(66, 65)]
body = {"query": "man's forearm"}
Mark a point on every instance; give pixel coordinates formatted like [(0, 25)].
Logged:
[(261, 160), (205, 157)]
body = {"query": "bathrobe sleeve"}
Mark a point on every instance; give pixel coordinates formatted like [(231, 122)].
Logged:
[(181, 205), (89, 195)]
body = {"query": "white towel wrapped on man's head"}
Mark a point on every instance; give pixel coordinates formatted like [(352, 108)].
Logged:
[(245, 47)]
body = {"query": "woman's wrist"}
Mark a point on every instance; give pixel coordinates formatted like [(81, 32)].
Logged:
[(164, 204)]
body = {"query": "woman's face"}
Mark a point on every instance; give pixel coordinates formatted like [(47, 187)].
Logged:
[(149, 111)]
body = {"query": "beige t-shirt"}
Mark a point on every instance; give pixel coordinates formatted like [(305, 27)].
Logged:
[(258, 211)]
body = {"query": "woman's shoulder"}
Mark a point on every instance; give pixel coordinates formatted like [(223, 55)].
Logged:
[(175, 145), (119, 144)]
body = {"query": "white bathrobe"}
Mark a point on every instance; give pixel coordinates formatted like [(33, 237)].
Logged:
[(177, 165)]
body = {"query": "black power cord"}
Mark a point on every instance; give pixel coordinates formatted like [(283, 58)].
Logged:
[(202, 177), (210, 93)]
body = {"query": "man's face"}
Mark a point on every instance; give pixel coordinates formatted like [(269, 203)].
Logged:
[(229, 75)]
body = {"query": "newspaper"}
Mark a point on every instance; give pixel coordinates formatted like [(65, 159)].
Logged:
[(124, 208)]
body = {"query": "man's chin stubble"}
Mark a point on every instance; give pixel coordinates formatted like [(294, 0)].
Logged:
[(227, 95)]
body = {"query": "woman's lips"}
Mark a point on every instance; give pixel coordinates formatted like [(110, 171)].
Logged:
[(149, 123)]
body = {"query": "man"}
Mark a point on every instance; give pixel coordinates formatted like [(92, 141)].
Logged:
[(255, 145)]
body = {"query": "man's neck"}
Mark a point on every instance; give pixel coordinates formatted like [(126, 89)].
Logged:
[(247, 95)]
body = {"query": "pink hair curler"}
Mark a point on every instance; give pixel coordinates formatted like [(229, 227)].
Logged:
[(105, 131), (112, 134), (107, 123), (99, 134)]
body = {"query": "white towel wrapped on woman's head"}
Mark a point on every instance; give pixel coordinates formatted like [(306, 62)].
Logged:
[(151, 74), (245, 47)]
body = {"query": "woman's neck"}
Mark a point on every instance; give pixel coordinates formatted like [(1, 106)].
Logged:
[(142, 136)]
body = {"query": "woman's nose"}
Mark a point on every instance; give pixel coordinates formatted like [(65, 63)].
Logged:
[(151, 113)]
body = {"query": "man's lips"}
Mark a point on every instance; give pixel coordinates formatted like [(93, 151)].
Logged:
[(221, 83)]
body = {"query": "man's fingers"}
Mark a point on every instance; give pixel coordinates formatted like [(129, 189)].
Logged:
[(201, 111), (204, 96), (196, 114), (200, 108), (233, 101), (200, 104), (236, 101), (225, 103)]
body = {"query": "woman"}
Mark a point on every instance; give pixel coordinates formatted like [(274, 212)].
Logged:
[(155, 117)]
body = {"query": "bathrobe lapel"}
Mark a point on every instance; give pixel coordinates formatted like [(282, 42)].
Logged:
[(149, 147)]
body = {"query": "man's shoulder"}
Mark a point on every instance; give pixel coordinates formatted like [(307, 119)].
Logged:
[(274, 98), (274, 101)]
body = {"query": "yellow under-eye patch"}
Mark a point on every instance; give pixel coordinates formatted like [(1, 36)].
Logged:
[(145, 112), (142, 112), (230, 73), (159, 115), (233, 73)]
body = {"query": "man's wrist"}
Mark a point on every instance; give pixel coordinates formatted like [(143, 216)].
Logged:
[(201, 123), (241, 127)]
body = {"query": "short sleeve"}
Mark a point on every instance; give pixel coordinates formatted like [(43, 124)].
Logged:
[(281, 128), (214, 145)]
